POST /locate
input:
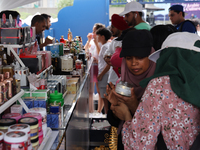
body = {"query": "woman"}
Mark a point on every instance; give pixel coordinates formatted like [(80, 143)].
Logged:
[(136, 47), (92, 48), (171, 99)]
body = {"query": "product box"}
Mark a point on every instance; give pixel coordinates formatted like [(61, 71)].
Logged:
[(40, 94), (73, 85), (40, 103), (53, 120), (54, 48)]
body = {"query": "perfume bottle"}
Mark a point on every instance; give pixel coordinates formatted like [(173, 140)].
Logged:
[(69, 35), (62, 40), (5, 87), (9, 80)]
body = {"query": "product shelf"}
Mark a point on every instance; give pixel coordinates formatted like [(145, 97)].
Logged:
[(12, 100), (10, 48)]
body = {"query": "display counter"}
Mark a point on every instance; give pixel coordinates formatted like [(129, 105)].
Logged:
[(74, 131)]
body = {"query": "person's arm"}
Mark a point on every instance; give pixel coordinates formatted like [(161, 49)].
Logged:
[(87, 45), (100, 76), (97, 45), (141, 132), (46, 42)]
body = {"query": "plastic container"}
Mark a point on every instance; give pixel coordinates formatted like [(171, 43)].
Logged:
[(42, 111), (56, 97), (35, 143), (37, 116), (15, 116), (15, 140), (1, 140), (5, 123), (24, 128), (40, 137), (78, 64), (33, 123), (123, 88), (16, 108)]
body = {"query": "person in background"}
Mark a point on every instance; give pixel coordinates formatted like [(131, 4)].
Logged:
[(170, 103), (176, 15), (197, 24), (39, 23), (48, 20), (91, 52), (40, 37), (117, 26), (133, 16), (160, 33), (103, 35), (136, 47)]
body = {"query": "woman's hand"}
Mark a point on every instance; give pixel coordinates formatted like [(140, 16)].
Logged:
[(131, 102), (121, 111), (110, 94), (90, 36)]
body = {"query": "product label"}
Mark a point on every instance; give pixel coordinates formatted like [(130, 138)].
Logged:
[(15, 134), (28, 120), (6, 120), (123, 91), (19, 127), (18, 146)]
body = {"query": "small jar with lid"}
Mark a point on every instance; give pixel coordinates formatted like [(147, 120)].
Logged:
[(123, 88), (5, 123), (16, 140), (15, 116), (33, 123), (42, 111), (78, 64), (24, 128), (37, 116)]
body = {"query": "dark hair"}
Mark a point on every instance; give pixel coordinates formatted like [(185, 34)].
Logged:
[(105, 32), (8, 12), (98, 25), (196, 22), (37, 18), (160, 33), (45, 16), (183, 13)]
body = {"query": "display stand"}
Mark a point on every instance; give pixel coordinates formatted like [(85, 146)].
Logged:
[(14, 99), (21, 93), (10, 48)]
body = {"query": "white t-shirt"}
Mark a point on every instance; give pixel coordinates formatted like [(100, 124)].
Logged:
[(113, 45), (93, 50), (101, 62)]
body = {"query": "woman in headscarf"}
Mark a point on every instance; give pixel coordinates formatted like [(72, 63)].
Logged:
[(170, 103), (136, 47)]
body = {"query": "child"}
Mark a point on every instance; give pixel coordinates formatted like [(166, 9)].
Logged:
[(103, 35)]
